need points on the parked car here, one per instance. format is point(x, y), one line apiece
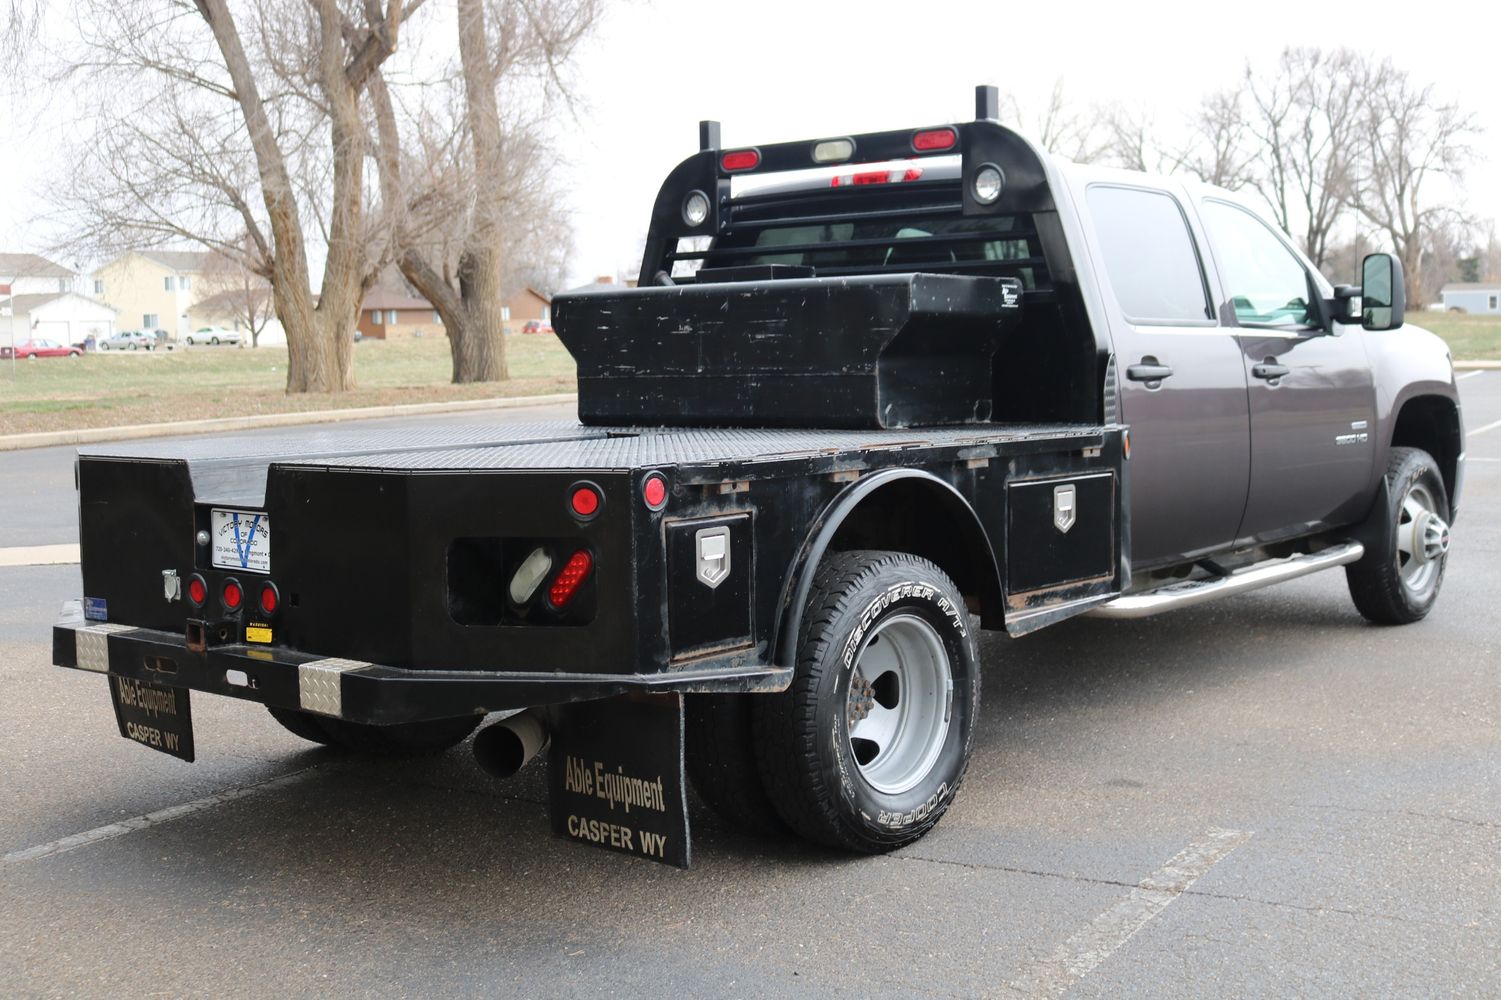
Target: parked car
point(129, 340)
point(536, 326)
point(214, 335)
point(37, 348)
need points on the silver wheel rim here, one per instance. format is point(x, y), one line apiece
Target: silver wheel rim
point(900, 702)
point(1422, 540)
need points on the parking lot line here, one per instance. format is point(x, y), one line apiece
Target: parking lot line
point(39, 555)
point(1481, 430)
point(1103, 935)
point(1478, 371)
point(120, 829)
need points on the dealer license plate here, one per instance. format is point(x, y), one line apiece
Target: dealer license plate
point(154, 715)
point(241, 540)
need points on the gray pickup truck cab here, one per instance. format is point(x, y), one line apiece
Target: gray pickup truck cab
point(1262, 411)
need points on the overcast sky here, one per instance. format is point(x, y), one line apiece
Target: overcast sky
point(772, 70)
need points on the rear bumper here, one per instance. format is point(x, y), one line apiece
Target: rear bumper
point(364, 692)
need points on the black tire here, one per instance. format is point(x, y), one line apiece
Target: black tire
point(1387, 586)
point(409, 739)
point(214, 341)
point(808, 762)
point(721, 761)
point(302, 724)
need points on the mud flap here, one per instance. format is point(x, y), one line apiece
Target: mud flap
point(615, 776)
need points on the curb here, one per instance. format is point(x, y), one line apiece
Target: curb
point(1460, 366)
point(132, 432)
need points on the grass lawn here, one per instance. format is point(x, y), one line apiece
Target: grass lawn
point(1470, 338)
point(139, 387)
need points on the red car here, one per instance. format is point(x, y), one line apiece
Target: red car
point(45, 349)
point(536, 326)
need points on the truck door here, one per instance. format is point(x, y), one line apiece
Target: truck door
point(1181, 380)
point(1313, 404)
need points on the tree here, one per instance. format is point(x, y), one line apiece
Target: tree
point(1408, 140)
point(1060, 126)
point(248, 139)
point(513, 58)
point(1217, 151)
point(232, 288)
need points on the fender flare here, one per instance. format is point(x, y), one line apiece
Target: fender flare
point(804, 567)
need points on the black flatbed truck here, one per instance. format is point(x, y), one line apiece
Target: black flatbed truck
point(759, 557)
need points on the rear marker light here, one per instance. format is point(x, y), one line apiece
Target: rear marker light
point(654, 491)
point(833, 150)
point(934, 140)
point(585, 500)
point(232, 595)
point(529, 576)
point(740, 159)
point(270, 599)
point(567, 583)
point(197, 591)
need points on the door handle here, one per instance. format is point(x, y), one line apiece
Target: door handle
point(1148, 371)
point(1269, 370)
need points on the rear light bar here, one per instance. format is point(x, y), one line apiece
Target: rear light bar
point(897, 176)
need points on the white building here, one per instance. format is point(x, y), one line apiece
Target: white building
point(30, 274)
point(1483, 298)
point(64, 317)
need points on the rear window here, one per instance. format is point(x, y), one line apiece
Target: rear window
point(1149, 255)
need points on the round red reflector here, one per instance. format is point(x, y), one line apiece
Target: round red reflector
point(740, 159)
point(232, 594)
point(269, 599)
point(585, 501)
point(654, 492)
point(934, 139)
point(197, 591)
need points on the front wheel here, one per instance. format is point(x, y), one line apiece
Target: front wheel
point(867, 748)
point(1397, 581)
point(214, 341)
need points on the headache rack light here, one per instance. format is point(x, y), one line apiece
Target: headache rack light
point(896, 175)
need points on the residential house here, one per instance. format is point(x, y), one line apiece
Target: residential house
point(31, 274)
point(1472, 297)
point(387, 314)
point(62, 317)
point(524, 305)
point(154, 289)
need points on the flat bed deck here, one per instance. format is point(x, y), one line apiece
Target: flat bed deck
point(233, 469)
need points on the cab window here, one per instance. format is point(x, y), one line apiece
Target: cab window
point(1149, 255)
point(1264, 280)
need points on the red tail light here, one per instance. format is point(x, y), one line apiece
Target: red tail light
point(232, 595)
point(568, 581)
point(270, 599)
point(197, 590)
point(585, 500)
point(876, 177)
point(934, 140)
point(740, 159)
point(654, 491)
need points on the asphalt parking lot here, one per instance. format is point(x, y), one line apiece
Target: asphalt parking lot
point(1264, 796)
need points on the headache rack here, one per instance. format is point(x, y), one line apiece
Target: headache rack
point(795, 284)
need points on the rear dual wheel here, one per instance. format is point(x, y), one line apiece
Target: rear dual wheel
point(867, 748)
point(409, 739)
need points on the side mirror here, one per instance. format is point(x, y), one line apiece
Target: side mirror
point(1383, 292)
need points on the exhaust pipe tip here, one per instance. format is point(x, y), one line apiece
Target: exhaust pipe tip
point(504, 747)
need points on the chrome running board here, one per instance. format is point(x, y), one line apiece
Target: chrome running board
point(1262, 574)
